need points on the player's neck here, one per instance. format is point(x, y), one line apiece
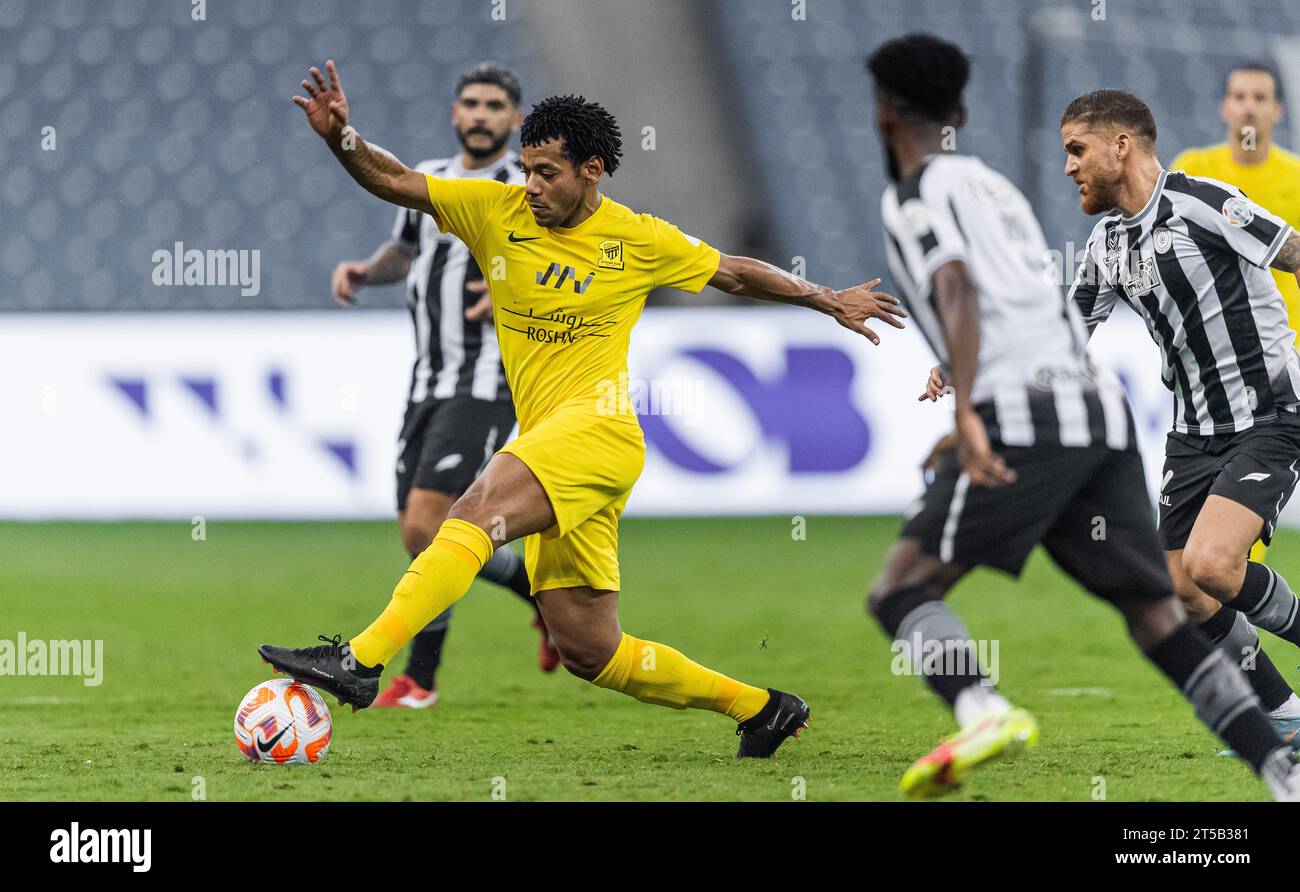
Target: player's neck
point(586, 207)
point(472, 162)
point(1135, 192)
point(1249, 157)
point(911, 154)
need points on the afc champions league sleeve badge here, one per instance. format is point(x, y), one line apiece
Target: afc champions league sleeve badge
point(1163, 240)
point(1238, 212)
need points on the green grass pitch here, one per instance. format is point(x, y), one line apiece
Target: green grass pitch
point(180, 620)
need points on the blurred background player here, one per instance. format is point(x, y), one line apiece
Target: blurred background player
point(1191, 256)
point(459, 409)
point(1044, 442)
point(1249, 159)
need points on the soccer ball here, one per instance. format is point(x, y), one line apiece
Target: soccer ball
point(282, 721)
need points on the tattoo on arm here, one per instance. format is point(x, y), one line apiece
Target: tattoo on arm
point(1288, 259)
point(388, 264)
point(377, 170)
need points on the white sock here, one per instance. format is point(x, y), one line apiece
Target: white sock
point(1288, 710)
point(978, 700)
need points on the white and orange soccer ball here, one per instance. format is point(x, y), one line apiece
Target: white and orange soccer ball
point(283, 722)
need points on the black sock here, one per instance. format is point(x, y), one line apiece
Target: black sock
point(1217, 627)
point(1232, 633)
point(1218, 691)
point(426, 650)
point(506, 568)
point(1268, 602)
point(947, 660)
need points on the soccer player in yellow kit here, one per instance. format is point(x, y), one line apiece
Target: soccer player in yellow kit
point(568, 270)
point(1249, 160)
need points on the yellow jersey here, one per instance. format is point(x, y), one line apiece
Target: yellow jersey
point(564, 300)
point(1273, 184)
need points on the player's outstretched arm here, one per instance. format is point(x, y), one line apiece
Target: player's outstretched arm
point(1288, 258)
point(390, 263)
point(851, 307)
point(956, 302)
point(376, 169)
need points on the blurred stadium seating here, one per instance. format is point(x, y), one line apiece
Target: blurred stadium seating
point(191, 140)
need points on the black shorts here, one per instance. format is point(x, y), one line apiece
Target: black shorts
point(446, 443)
point(1088, 507)
point(1255, 468)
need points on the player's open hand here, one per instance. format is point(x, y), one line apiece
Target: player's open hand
point(935, 386)
point(325, 105)
point(482, 309)
point(852, 307)
point(984, 466)
point(348, 277)
point(942, 445)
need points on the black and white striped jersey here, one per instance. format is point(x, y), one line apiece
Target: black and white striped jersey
point(1035, 384)
point(454, 356)
point(1194, 265)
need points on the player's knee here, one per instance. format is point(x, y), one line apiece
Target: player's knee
point(416, 536)
point(474, 506)
point(583, 661)
point(1213, 570)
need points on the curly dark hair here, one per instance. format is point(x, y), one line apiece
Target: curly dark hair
point(585, 130)
point(925, 73)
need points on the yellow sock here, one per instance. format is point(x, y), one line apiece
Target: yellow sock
point(437, 578)
point(656, 673)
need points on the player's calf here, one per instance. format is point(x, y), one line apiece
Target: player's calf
point(1215, 687)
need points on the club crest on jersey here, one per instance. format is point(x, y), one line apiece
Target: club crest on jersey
point(1112, 251)
point(1238, 211)
point(611, 255)
point(1142, 278)
point(1163, 239)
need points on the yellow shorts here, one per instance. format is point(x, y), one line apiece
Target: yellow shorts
point(587, 464)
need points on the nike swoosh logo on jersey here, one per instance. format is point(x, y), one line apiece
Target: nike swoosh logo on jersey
point(266, 746)
point(526, 238)
point(1258, 477)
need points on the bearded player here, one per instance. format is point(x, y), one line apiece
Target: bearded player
point(568, 270)
point(1044, 441)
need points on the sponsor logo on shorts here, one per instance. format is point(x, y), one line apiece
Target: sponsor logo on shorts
point(447, 462)
point(1257, 477)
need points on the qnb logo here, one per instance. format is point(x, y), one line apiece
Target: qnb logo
point(90, 846)
point(809, 409)
point(564, 274)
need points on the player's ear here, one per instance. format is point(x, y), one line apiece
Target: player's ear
point(592, 168)
point(1123, 145)
point(961, 116)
